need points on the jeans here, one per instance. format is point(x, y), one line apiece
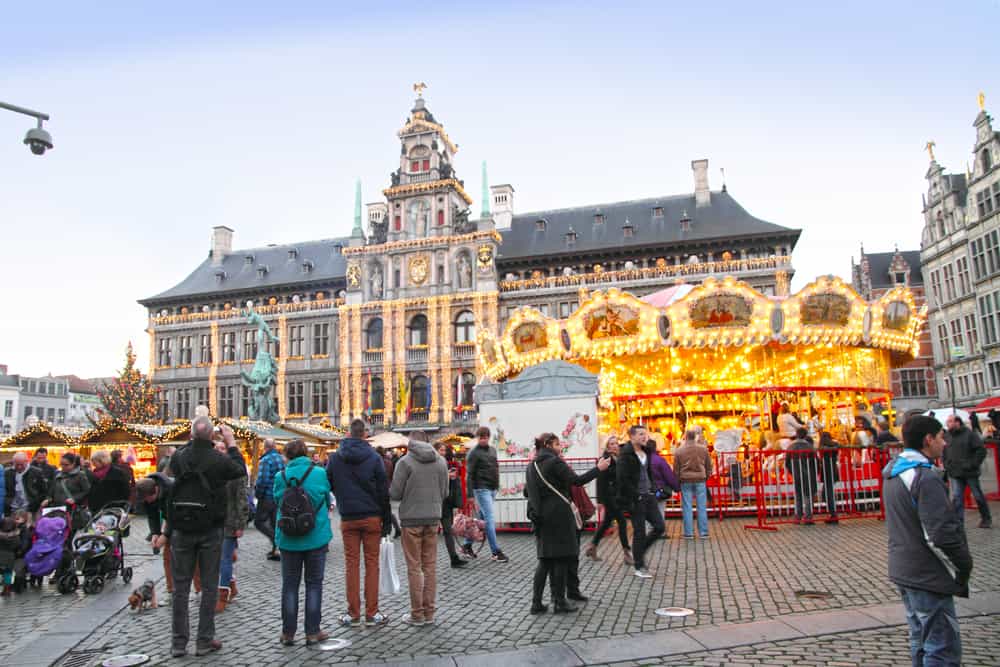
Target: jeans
point(612, 513)
point(694, 491)
point(226, 565)
point(805, 489)
point(188, 550)
point(484, 499)
point(958, 485)
point(645, 509)
point(934, 634)
point(447, 516)
point(357, 535)
point(265, 518)
point(292, 564)
point(420, 551)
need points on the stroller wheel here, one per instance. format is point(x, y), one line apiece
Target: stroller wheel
point(97, 584)
point(127, 574)
point(69, 583)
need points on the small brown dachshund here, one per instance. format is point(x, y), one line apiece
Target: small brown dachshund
point(143, 597)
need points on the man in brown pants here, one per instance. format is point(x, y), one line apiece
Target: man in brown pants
point(420, 484)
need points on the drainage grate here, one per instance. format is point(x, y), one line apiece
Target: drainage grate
point(673, 612)
point(814, 595)
point(80, 657)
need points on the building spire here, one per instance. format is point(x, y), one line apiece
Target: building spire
point(485, 213)
point(982, 101)
point(358, 230)
point(929, 147)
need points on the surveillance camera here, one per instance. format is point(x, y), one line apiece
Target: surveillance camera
point(38, 140)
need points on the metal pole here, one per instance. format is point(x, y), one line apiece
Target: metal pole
point(27, 112)
point(952, 373)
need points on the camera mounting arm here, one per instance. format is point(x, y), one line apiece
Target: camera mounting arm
point(37, 138)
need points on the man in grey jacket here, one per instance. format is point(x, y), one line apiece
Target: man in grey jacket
point(420, 484)
point(963, 460)
point(929, 558)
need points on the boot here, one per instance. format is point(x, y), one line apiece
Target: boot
point(627, 555)
point(457, 562)
point(591, 552)
point(220, 604)
point(232, 589)
point(563, 607)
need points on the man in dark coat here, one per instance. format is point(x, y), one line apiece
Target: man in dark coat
point(40, 460)
point(636, 495)
point(800, 461)
point(828, 454)
point(25, 486)
point(547, 487)
point(963, 459)
point(929, 556)
point(607, 492)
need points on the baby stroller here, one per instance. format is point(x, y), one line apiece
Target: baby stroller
point(49, 553)
point(98, 553)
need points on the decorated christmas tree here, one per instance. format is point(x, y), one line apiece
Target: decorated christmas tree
point(131, 397)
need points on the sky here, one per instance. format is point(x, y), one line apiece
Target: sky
point(171, 118)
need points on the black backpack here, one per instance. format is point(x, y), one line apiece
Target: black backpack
point(298, 516)
point(194, 507)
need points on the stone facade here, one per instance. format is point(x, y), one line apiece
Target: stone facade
point(960, 261)
point(383, 323)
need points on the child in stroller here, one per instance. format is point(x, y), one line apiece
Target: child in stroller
point(98, 552)
point(49, 553)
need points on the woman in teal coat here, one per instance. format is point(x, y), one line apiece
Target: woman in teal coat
point(307, 551)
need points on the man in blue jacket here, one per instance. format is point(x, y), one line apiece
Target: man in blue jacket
point(929, 557)
point(271, 463)
point(357, 477)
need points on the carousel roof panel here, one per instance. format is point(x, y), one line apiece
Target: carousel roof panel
point(655, 221)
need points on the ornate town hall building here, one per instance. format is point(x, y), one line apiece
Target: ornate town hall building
point(383, 323)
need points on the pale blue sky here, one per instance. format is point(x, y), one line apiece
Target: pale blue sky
point(170, 118)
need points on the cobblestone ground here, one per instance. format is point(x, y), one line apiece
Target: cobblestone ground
point(738, 575)
point(24, 617)
point(885, 647)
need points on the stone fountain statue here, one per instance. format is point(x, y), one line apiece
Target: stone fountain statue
point(264, 375)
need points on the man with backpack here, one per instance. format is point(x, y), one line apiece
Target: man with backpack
point(269, 466)
point(195, 517)
point(929, 557)
point(357, 477)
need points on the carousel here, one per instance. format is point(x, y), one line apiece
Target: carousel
point(723, 355)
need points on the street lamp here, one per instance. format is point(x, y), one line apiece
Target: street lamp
point(37, 139)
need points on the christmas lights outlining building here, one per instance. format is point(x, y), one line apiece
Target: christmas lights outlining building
point(383, 323)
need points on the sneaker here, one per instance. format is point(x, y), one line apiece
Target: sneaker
point(643, 574)
point(349, 621)
point(274, 556)
point(458, 562)
point(689, 537)
point(500, 557)
point(415, 622)
point(378, 619)
point(467, 550)
point(210, 647)
point(703, 537)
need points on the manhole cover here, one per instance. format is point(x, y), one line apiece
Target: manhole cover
point(333, 644)
point(814, 595)
point(674, 611)
point(126, 660)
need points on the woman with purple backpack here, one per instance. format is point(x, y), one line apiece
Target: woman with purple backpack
point(665, 482)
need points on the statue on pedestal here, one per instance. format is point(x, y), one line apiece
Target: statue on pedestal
point(264, 374)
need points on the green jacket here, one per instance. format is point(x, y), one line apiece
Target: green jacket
point(318, 488)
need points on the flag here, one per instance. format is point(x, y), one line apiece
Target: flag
point(458, 390)
point(428, 404)
point(401, 398)
point(368, 397)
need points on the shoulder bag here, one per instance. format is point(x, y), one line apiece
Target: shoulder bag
point(576, 512)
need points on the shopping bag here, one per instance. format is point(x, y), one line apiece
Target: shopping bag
point(388, 578)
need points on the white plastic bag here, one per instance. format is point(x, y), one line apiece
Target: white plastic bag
point(388, 578)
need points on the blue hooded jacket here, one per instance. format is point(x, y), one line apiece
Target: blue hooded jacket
point(357, 477)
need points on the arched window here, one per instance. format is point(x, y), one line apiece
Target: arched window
point(468, 384)
point(465, 327)
point(418, 330)
point(419, 396)
point(373, 334)
point(376, 398)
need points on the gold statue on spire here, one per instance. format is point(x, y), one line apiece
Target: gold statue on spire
point(930, 149)
point(982, 101)
point(418, 88)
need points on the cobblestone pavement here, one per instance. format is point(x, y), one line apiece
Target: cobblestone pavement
point(885, 647)
point(736, 576)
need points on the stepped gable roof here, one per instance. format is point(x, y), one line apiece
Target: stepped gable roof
point(722, 218)
point(280, 269)
point(78, 385)
point(879, 263)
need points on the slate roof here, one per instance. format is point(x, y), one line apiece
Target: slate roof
point(327, 264)
point(879, 263)
point(723, 217)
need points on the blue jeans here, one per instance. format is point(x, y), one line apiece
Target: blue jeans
point(694, 491)
point(934, 634)
point(226, 564)
point(958, 485)
point(292, 564)
point(484, 499)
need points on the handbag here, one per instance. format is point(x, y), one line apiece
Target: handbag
point(80, 514)
point(388, 578)
point(576, 512)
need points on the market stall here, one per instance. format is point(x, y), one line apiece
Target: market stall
point(57, 439)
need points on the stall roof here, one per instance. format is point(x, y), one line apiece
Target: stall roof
point(244, 428)
point(42, 433)
point(314, 431)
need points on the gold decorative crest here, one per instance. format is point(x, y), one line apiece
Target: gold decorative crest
point(419, 269)
point(484, 257)
point(354, 275)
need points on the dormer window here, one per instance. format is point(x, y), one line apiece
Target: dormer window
point(570, 238)
point(248, 260)
point(900, 278)
point(261, 272)
point(685, 222)
point(540, 225)
point(293, 254)
point(307, 266)
point(658, 212)
point(599, 219)
point(219, 277)
point(337, 248)
point(628, 230)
